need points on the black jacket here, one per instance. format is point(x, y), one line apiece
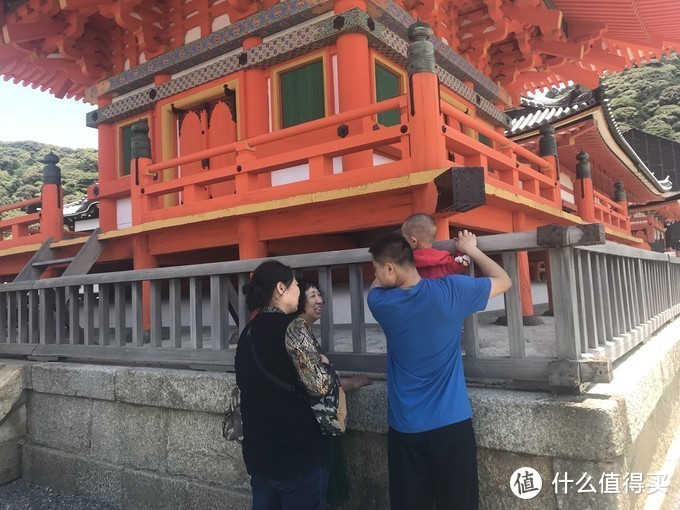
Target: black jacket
point(281, 437)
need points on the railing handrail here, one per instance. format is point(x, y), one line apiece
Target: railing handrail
point(300, 129)
point(19, 205)
point(604, 199)
point(622, 250)
point(20, 220)
point(490, 133)
point(495, 243)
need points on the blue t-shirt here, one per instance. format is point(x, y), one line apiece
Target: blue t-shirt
point(425, 381)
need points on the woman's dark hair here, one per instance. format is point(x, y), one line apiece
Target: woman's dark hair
point(305, 285)
point(263, 282)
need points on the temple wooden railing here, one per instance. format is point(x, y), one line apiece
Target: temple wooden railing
point(16, 229)
point(37, 227)
point(508, 166)
point(608, 298)
point(625, 294)
point(334, 136)
point(610, 213)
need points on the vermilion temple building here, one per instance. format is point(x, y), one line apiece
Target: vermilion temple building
point(264, 128)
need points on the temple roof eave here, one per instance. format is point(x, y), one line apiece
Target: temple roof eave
point(593, 105)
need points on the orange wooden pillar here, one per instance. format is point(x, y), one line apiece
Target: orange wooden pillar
point(141, 254)
point(249, 244)
point(255, 120)
point(354, 82)
point(583, 188)
point(106, 161)
point(519, 225)
point(51, 211)
point(428, 148)
point(443, 229)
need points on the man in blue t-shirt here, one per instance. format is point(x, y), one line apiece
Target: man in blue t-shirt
point(432, 454)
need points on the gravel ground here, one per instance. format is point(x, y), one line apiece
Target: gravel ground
point(21, 495)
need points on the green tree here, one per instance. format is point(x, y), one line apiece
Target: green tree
point(648, 97)
point(670, 96)
point(21, 170)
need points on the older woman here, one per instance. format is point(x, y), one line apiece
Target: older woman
point(310, 308)
point(284, 450)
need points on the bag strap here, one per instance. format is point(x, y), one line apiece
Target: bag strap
point(289, 388)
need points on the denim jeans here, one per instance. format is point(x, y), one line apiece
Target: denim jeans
point(304, 492)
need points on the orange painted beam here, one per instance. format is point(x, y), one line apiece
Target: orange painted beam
point(27, 32)
point(353, 214)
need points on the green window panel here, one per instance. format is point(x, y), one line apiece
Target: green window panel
point(302, 94)
point(485, 140)
point(387, 86)
point(126, 149)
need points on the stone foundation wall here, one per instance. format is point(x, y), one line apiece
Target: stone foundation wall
point(13, 413)
point(145, 438)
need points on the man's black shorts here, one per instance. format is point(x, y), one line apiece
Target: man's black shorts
point(434, 469)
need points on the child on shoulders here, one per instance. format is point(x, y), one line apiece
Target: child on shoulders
point(420, 231)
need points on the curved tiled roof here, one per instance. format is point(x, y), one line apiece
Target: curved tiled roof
point(543, 109)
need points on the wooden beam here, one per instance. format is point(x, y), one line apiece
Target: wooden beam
point(26, 32)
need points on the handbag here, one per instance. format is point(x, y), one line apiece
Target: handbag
point(232, 424)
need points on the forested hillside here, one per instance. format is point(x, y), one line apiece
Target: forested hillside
point(21, 170)
point(648, 97)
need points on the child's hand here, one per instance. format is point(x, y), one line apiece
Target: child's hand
point(466, 242)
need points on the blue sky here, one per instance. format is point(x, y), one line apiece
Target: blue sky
point(29, 114)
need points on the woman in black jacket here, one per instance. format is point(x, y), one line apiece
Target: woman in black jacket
point(283, 448)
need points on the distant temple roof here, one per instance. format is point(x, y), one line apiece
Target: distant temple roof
point(571, 102)
point(541, 109)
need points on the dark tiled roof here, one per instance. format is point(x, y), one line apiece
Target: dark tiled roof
point(542, 109)
point(549, 109)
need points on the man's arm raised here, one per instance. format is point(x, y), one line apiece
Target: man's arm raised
point(500, 281)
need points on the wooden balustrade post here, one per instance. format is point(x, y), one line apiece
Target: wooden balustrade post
point(547, 147)
point(354, 82)
point(548, 280)
point(428, 146)
point(108, 171)
point(583, 189)
point(244, 181)
point(621, 198)
point(52, 196)
point(141, 256)
point(141, 159)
